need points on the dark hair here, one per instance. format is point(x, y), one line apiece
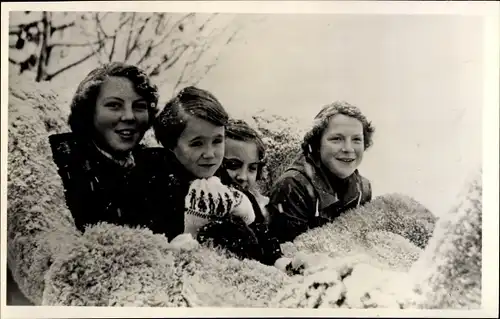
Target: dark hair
point(240, 130)
point(190, 101)
point(84, 101)
point(311, 142)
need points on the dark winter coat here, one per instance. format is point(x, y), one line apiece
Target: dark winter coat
point(99, 190)
point(305, 196)
point(151, 194)
point(253, 241)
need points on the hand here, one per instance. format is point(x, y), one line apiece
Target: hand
point(282, 263)
point(184, 242)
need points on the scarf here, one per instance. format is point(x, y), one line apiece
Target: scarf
point(127, 162)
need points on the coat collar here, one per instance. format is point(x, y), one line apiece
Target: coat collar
point(322, 186)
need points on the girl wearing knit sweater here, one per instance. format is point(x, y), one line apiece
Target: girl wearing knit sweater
point(203, 199)
point(191, 127)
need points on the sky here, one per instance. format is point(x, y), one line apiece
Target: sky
point(417, 78)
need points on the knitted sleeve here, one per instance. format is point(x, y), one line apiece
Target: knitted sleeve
point(242, 207)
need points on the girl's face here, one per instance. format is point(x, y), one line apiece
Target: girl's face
point(200, 147)
point(242, 162)
point(342, 145)
point(121, 116)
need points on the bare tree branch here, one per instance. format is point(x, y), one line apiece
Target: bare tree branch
point(41, 71)
point(183, 48)
point(123, 23)
point(104, 15)
point(161, 16)
point(174, 60)
point(135, 45)
point(147, 52)
point(127, 47)
point(157, 42)
point(15, 29)
point(63, 26)
point(204, 24)
point(98, 30)
point(151, 45)
point(69, 44)
point(99, 25)
point(200, 52)
point(175, 26)
point(69, 66)
point(113, 44)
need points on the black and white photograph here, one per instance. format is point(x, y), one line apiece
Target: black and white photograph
point(221, 156)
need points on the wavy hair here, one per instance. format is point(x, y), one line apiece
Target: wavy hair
point(312, 139)
point(240, 130)
point(190, 101)
point(84, 101)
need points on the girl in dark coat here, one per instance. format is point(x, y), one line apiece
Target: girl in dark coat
point(215, 209)
point(324, 181)
point(191, 127)
point(106, 173)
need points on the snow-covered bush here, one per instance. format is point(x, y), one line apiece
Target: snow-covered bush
point(282, 136)
point(118, 266)
point(449, 271)
point(394, 213)
point(348, 283)
point(36, 205)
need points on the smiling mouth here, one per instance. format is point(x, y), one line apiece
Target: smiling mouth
point(128, 133)
point(346, 160)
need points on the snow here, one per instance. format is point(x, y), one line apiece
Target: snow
point(391, 240)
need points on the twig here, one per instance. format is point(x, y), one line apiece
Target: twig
point(198, 57)
point(88, 56)
point(173, 61)
point(113, 44)
point(147, 53)
point(98, 31)
point(176, 25)
point(22, 26)
point(63, 26)
point(138, 35)
point(210, 18)
point(161, 16)
point(69, 44)
point(183, 49)
point(99, 25)
point(127, 47)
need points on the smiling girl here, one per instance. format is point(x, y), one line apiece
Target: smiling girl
point(105, 171)
point(324, 181)
point(244, 162)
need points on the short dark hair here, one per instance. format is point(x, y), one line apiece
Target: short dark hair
point(84, 101)
point(240, 130)
point(311, 141)
point(190, 101)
